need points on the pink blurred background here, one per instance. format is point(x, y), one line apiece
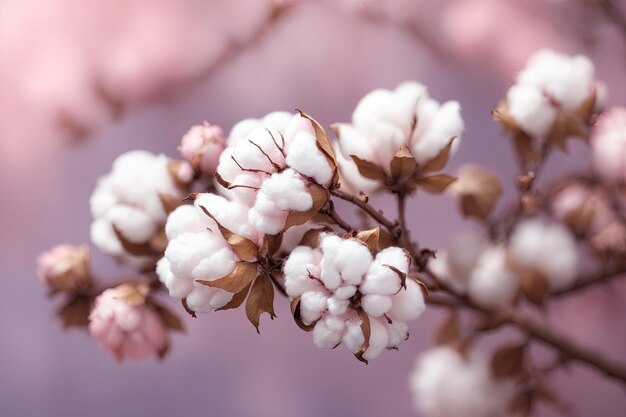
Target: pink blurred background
point(67, 66)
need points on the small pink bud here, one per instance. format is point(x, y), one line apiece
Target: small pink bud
point(65, 267)
point(125, 327)
point(202, 145)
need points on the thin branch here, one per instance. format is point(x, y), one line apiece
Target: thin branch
point(369, 209)
point(592, 279)
point(334, 216)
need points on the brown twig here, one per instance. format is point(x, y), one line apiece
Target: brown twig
point(369, 209)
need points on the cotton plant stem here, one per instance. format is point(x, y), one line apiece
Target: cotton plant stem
point(369, 209)
point(592, 279)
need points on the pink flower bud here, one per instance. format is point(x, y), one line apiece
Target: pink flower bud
point(202, 145)
point(125, 325)
point(65, 267)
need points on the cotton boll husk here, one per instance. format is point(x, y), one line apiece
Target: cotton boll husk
point(531, 110)
point(344, 260)
point(547, 248)
point(183, 219)
point(328, 332)
point(408, 304)
point(301, 262)
point(275, 121)
point(492, 283)
point(380, 278)
point(445, 384)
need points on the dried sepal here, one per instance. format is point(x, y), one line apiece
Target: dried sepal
point(311, 237)
point(366, 329)
point(187, 309)
point(535, 287)
point(403, 164)
point(169, 319)
point(243, 247)
point(134, 294)
point(237, 280)
point(509, 362)
point(449, 331)
point(439, 161)
point(158, 242)
point(237, 299)
point(523, 143)
point(135, 249)
point(260, 300)
point(324, 145)
point(169, 202)
point(75, 312)
point(295, 312)
point(270, 245)
point(370, 237)
point(435, 184)
point(369, 169)
point(320, 196)
point(400, 275)
point(477, 191)
point(221, 181)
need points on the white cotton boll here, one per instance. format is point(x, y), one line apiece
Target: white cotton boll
point(304, 156)
point(345, 260)
point(380, 278)
point(312, 304)
point(353, 337)
point(102, 199)
point(164, 272)
point(567, 79)
point(337, 306)
point(178, 288)
point(281, 193)
point(328, 332)
point(531, 110)
point(492, 283)
point(103, 236)
point(301, 262)
point(445, 125)
point(408, 304)
point(275, 121)
point(221, 263)
point(455, 264)
point(445, 384)
point(547, 248)
point(398, 333)
point(203, 299)
point(379, 338)
point(352, 142)
point(135, 225)
point(346, 292)
point(376, 305)
point(350, 178)
point(230, 214)
point(183, 219)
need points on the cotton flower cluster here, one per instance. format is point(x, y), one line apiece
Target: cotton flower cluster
point(609, 145)
point(490, 274)
point(197, 250)
point(553, 88)
point(446, 384)
point(127, 203)
point(384, 120)
point(126, 328)
point(202, 146)
point(341, 283)
point(65, 267)
point(269, 165)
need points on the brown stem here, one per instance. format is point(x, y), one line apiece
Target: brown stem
point(369, 209)
point(335, 217)
point(405, 237)
point(592, 279)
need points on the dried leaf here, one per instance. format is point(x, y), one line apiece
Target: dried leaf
point(75, 312)
point(187, 309)
point(367, 332)
point(508, 362)
point(524, 149)
point(449, 331)
point(237, 299)
point(143, 249)
point(169, 202)
point(369, 169)
point(320, 197)
point(312, 237)
point(158, 241)
point(243, 247)
point(237, 280)
point(295, 312)
point(535, 287)
point(403, 164)
point(440, 161)
point(260, 300)
point(174, 166)
point(370, 237)
point(323, 144)
point(170, 320)
point(436, 183)
point(585, 111)
point(271, 244)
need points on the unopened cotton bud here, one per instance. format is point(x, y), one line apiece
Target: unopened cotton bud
point(477, 191)
point(65, 268)
point(126, 329)
point(202, 146)
point(608, 143)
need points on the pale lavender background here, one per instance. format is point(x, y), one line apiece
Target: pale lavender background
point(222, 367)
